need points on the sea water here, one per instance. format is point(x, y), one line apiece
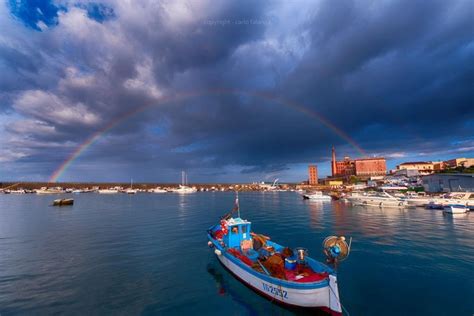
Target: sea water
point(147, 254)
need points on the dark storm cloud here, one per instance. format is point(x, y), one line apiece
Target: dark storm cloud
point(396, 76)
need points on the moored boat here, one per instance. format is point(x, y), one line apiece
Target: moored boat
point(183, 187)
point(131, 190)
point(62, 202)
point(157, 190)
point(318, 195)
point(45, 190)
point(381, 200)
point(455, 209)
point(108, 191)
point(287, 276)
point(458, 198)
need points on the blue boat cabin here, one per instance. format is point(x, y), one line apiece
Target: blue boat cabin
point(238, 233)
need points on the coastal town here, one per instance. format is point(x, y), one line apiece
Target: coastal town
point(434, 184)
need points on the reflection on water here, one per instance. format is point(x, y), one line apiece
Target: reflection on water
point(147, 254)
point(223, 288)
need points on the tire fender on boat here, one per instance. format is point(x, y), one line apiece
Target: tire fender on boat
point(218, 252)
point(210, 244)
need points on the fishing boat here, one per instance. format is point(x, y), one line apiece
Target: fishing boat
point(283, 275)
point(455, 209)
point(62, 202)
point(318, 195)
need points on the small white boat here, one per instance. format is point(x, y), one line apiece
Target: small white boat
point(157, 190)
point(19, 191)
point(318, 195)
point(45, 190)
point(108, 191)
point(455, 209)
point(131, 190)
point(183, 189)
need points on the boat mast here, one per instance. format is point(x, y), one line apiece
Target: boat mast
point(237, 203)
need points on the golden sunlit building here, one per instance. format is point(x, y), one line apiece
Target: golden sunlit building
point(313, 174)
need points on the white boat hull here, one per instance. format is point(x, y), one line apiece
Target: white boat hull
point(108, 192)
point(326, 296)
point(380, 203)
point(317, 197)
point(455, 210)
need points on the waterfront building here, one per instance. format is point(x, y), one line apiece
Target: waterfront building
point(335, 183)
point(370, 167)
point(438, 165)
point(459, 162)
point(449, 182)
point(423, 167)
point(363, 167)
point(312, 174)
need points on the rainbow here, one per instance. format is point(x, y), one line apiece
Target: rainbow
point(171, 98)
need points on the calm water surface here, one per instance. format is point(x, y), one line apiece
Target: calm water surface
point(147, 254)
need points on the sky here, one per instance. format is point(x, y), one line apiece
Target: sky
point(230, 91)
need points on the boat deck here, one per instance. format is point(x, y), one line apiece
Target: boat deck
point(269, 260)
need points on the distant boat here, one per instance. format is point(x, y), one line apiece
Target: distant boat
point(62, 202)
point(45, 190)
point(455, 209)
point(108, 191)
point(131, 190)
point(157, 190)
point(20, 191)
point(318, 195)
point(183, 188)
